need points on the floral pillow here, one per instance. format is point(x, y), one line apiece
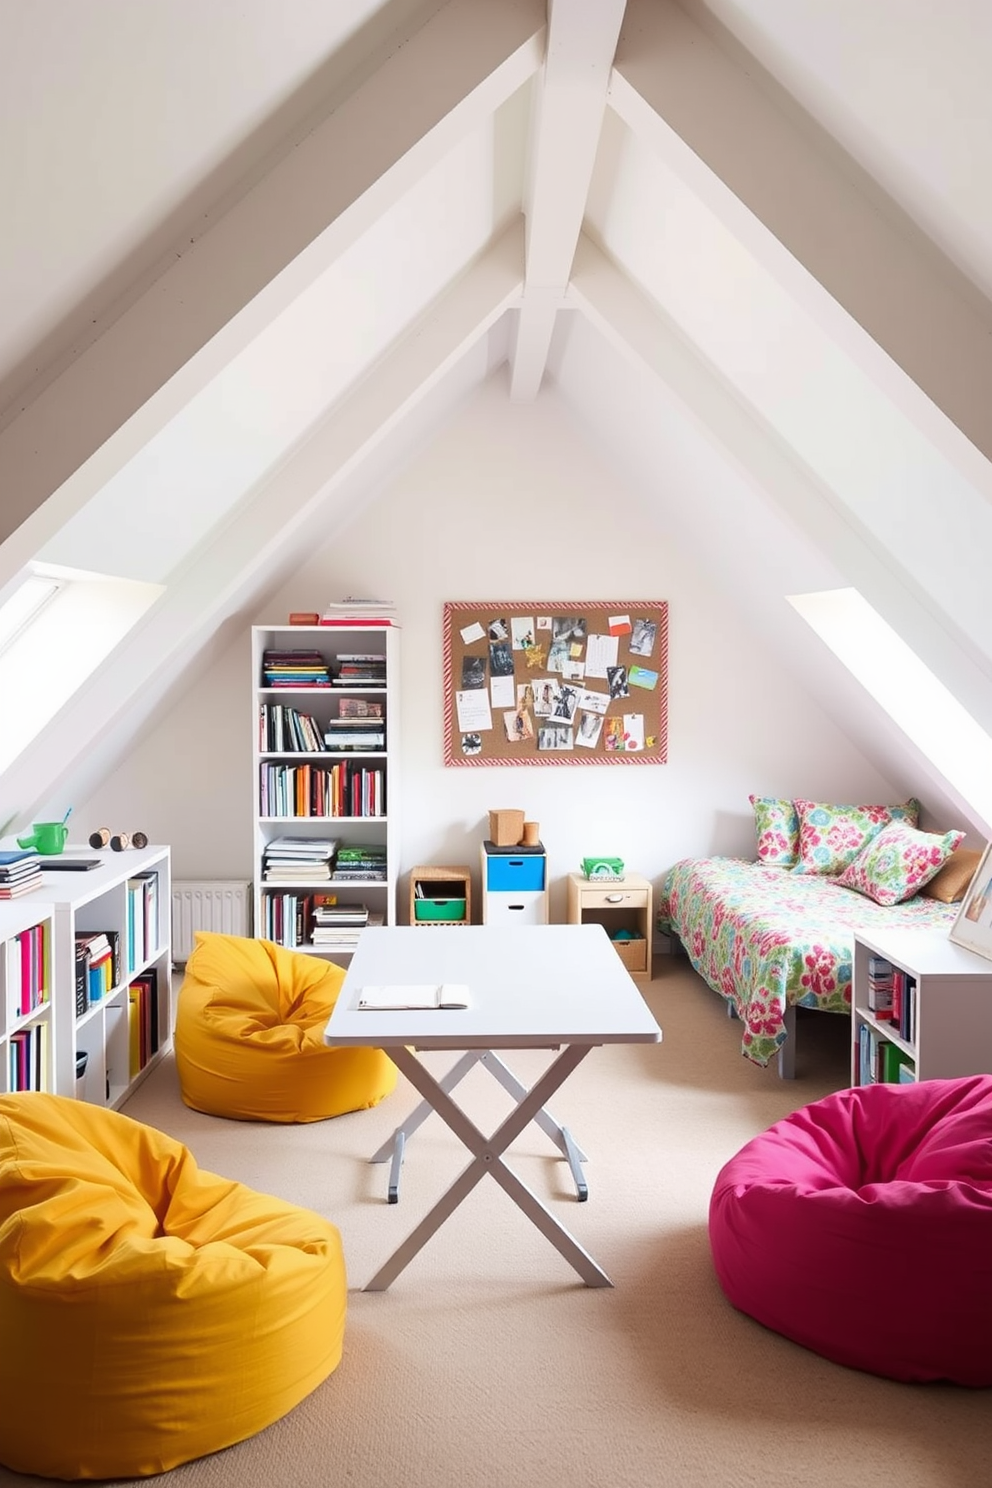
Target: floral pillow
point(776, 826)
point(830, 837)
point(898, 861)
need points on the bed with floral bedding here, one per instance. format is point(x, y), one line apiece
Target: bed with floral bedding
point(769, 940)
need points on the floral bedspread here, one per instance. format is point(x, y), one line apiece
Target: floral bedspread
point(765, 938)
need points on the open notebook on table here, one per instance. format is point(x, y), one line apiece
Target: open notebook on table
point(414, 995)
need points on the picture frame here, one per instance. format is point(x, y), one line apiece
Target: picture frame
point(972, 927)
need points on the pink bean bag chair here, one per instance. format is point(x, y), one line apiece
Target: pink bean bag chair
point(861, 1228)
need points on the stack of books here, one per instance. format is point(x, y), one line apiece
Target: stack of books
point(360, 863)
point(359, 725)
point(298, 859)
point(20, 873)
point(337, 925)
point(360, 669)
point(294, 669)
point(360, 612)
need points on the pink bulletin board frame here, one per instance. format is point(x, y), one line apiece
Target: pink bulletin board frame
point(556, 682)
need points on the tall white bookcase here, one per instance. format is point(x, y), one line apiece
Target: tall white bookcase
point(348, 796)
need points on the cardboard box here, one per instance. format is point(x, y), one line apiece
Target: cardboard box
point(506, 827)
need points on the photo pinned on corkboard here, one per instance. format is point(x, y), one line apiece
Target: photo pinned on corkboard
point(556, 682)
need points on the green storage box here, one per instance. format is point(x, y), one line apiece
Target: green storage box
point(609, 869)
point(439, 909)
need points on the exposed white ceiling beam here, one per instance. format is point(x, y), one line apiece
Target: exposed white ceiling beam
point(447, 80)
point(272, 534)
point(631, 323)
point(811, 216)
point(570, 99)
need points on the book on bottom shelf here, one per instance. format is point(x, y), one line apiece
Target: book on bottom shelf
point(142, 1021)
point(892, 1059)
point(27, 1058)
point(880, 1061)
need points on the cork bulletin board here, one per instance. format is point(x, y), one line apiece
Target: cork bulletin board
point(540, 682)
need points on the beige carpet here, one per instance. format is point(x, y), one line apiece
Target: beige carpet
point(489, 1365)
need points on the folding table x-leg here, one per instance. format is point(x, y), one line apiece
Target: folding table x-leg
point(487, 1158)
point(394, 1149)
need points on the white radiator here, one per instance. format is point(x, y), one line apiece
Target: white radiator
point(213, 904)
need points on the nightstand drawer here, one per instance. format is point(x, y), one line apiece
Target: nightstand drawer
point(613, 896)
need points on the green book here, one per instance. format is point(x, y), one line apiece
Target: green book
point(892, 1058)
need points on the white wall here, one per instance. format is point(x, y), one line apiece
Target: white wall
point(509, 502)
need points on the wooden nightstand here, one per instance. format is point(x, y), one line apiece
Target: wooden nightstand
point(625, 905)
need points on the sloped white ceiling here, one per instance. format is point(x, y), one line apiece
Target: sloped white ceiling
point(807, 389)
point(233, 434)
point(285, 247)
point(901, 86)
point(125, 125)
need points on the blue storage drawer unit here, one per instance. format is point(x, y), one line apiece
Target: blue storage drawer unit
point(508, 875)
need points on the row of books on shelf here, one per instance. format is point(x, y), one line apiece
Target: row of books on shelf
point(344, 789)
point(892, 996)
point(28, 972)
point(286, 730)
point(142, 1020)
point(322, 920)
point(880, 1061)
point(142, 919)
point(27, 1058)
point(97, 966)
point(20, 873)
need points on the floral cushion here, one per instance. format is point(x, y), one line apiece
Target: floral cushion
point(776, 826)
point(897, 862)
point(831, 837)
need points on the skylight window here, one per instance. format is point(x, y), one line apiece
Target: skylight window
point(24, 605)
point(55, 630)
point(908, 691)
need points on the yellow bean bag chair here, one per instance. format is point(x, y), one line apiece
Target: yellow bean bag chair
point(150, 1312)
point(249, 1037)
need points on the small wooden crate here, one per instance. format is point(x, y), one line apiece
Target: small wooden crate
point(441, 883)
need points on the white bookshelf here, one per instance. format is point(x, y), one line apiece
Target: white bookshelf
point(953, 991)
point(99, 900)
point(376, 823)
point(26, 1004)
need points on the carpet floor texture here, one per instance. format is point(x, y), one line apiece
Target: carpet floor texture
point(488, 1364)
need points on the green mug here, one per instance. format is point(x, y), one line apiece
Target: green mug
point(46, 837)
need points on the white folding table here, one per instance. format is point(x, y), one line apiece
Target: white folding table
point(557, 987)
